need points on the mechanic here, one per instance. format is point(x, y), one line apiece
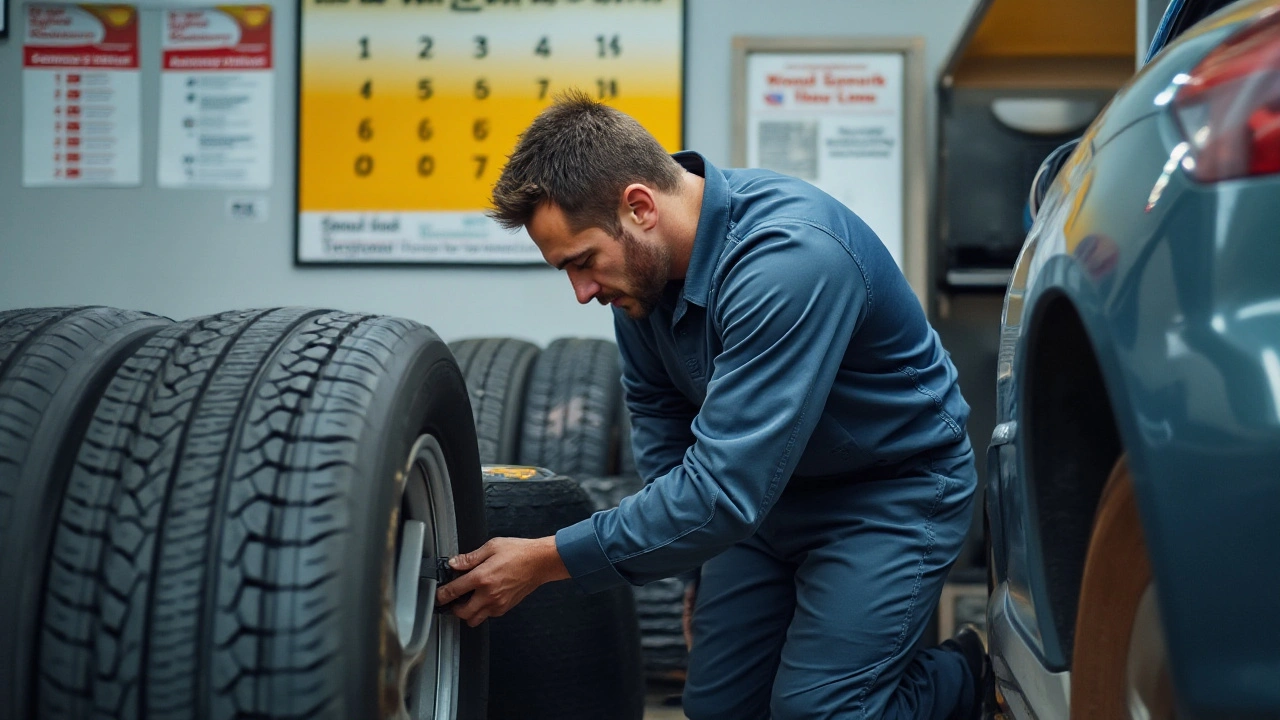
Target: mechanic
point(798, 419)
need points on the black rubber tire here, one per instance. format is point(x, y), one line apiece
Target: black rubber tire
point(571, 408)
point(222, 549)
point(659, 604)
point(660, 610)
point(54, 364)
point(497, 371)
point(607, 492)
point(626, 451)
point(561, 654)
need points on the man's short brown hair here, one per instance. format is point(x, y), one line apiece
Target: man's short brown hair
point(580, 155)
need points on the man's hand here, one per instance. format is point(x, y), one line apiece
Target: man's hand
point(501, 574)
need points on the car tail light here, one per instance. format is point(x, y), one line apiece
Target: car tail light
point(1229, 106)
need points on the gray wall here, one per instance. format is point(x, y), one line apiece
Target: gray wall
point(177, 253)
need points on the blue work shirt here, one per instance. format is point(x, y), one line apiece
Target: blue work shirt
point(793, 347)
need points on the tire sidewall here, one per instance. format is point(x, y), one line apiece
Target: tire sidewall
point(423, 394)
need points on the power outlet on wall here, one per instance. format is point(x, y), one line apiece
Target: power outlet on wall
point(251, 208)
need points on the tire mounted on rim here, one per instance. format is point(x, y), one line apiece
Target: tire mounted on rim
point(244, 526)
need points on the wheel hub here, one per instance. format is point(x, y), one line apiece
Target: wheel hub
point(420, 649)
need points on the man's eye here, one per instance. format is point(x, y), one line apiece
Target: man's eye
point(585, 264)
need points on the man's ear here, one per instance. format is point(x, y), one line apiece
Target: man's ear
point(640, 206)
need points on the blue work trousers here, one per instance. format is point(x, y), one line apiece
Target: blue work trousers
point(817, 615)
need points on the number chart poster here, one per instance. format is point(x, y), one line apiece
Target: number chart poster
point(409, 108)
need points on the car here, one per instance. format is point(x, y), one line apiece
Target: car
point(1133, 484)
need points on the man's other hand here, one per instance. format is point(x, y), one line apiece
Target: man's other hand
point(499, 575)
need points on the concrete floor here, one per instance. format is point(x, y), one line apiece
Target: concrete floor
point(656, 710)
point(658, 705)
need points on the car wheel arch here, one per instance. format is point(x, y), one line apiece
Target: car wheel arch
point(1073, 423)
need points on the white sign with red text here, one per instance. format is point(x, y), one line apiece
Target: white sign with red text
point(81, 106)
point(837, 121)
point(216, 95)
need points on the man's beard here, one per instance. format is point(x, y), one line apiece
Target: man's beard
point(648, 268)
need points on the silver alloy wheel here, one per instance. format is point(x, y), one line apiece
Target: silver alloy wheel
point(421, 650)
point(1150, 687)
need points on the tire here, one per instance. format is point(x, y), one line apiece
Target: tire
point(660, 610)
point(497, 371)
point(607, 492)
point(228, 542)
point(1116, 593)
point(659, 604)
point(571, 408)
point(626, 451)
point(54, 364)
point(561, 654)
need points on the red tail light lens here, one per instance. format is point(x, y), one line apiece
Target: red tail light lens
point(1229, 109)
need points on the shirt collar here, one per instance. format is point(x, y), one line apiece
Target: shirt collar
point(713, 226)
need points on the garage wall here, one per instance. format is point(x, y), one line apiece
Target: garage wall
point(176, 252)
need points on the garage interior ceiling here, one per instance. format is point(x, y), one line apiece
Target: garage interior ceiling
point(1065, 44)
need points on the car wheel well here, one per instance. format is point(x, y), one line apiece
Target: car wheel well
point(1071, 447)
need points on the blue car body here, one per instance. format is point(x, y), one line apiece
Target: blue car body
point(1143, 317)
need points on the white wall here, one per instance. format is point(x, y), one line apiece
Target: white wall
point(176, 253)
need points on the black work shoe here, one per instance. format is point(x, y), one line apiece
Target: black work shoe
point(971, 642)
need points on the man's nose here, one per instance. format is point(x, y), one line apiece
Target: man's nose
point(583, 287)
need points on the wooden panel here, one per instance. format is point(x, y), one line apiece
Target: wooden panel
point(1035, 73)
point(1056, 27)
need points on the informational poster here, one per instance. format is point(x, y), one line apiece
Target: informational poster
point(408, 110)
point(80, 100)
point(837, 121)
point(216, 95)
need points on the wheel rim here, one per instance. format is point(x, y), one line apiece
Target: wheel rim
point(420, 649)
point(1150, 688)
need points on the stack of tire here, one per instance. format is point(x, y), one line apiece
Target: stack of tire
point(561, 408)
point(560, 653)
point(233, 516)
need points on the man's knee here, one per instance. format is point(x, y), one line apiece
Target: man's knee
point(813, 704)
point(698, 708)
point(822, 704)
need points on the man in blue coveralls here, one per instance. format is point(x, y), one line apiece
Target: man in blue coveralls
point(797, 417)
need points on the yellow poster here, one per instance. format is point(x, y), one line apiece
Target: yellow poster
point(409, 108)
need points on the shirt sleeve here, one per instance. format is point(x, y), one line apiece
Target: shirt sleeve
point(791, 298)
point(661, 415)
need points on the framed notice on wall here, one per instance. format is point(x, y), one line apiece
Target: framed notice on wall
point(848, 116)
point(407, 110)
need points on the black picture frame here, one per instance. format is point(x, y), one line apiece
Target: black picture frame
point(298, 262)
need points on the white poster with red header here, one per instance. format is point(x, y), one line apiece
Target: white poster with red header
point(216, 95)
point(836, 120)
point(81, 106)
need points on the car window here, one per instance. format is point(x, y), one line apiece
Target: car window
point(1181, 15)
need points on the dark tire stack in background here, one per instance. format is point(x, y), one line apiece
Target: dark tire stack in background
point(497, 372)
point(560, 653)
point(571, 408)
point(202, 518)
point(575, 423)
